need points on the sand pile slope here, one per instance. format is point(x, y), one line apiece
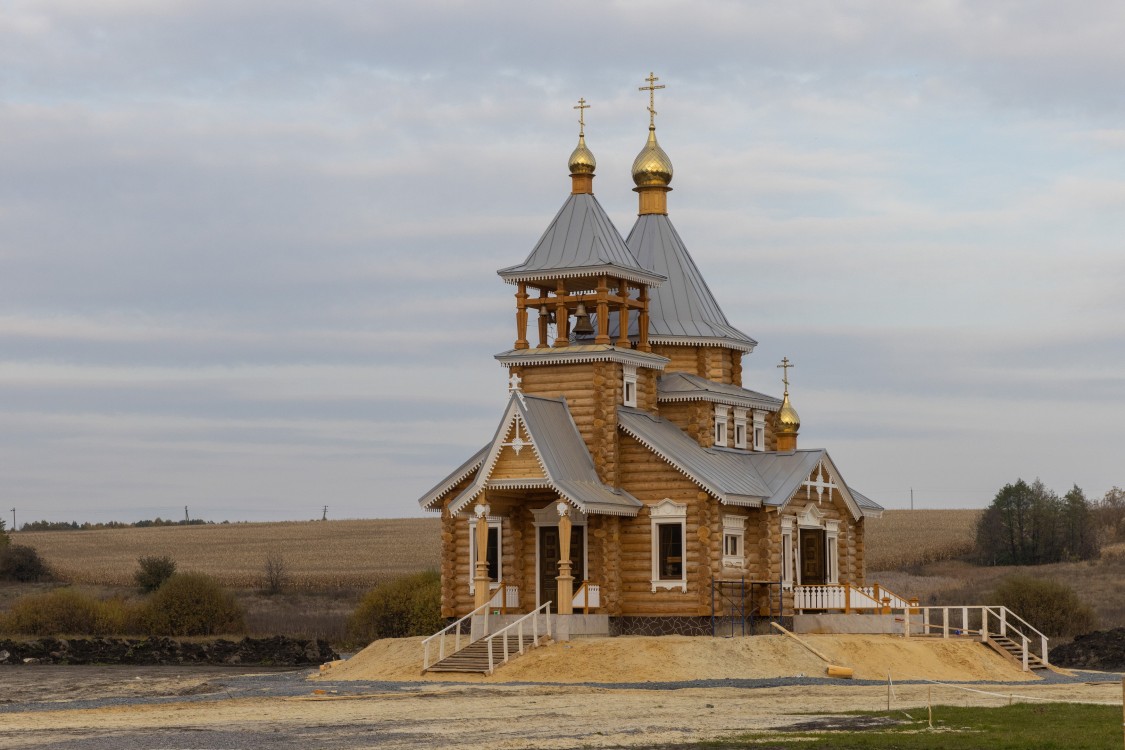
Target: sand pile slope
point(676, 658)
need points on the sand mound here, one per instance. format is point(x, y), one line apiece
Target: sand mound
point(675, 658)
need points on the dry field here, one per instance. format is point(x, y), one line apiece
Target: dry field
point(318, 555)
point(910, 538)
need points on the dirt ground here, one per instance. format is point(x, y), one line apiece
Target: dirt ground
point(676, 658)
point(475, 717)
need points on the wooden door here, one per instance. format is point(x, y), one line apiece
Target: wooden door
point(549, 557)
point(812, 557)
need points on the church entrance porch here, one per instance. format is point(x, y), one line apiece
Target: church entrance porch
point(547, 561)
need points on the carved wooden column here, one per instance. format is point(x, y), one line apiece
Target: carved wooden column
point(642, 324)
point(562, 317)
point(565, 580)
point(480, 579)
point(521, 316)
point(603, 311)
point(623, 316)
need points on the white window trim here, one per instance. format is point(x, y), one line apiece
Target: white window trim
point(668, 512)
point(734, 526)
point(721, 414)
point(787, 552)
point(629, 394)
point(494, 522)
point(739, 428)
point(832, 560)
point(759, 430)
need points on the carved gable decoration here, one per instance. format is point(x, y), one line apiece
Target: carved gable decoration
point(517, 458)
point(821, 482)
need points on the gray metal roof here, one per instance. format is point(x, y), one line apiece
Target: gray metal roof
point(865, 502)
point(684, 386)
point(719, 472)
point(580, 241)
point(562, 454)
point(437, 492)
point(683, 307)
point(734, 476)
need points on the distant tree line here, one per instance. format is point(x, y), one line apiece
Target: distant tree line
point(87, 526)
point(1029, 524)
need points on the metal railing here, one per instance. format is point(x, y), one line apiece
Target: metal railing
point(442, 634)
point(518, 627)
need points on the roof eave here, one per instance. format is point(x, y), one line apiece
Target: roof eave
point(516, 274)
point(745, 346)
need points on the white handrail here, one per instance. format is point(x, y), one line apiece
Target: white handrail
point(518, 626)
point(426, 663)
point(989, 614)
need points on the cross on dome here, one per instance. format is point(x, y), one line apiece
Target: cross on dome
point(785, 365)
point(582, 106)
point(651, 89)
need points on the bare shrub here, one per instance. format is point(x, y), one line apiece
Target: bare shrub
point(153, 571)
point(275, 573)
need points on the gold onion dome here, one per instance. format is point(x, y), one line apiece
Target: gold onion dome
point(787, 420)
point(582, 160)
point(652, 167)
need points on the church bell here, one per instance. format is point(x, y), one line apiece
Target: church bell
point(582, 325)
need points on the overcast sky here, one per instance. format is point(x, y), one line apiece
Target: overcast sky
point(248, 250)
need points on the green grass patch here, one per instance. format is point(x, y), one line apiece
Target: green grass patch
point(1024, 726)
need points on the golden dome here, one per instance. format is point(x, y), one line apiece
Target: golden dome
point(652, 167)
point(582, 160)
point(787, 420)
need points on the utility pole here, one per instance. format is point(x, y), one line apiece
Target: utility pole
point(911, 498)
point(325, 516)
point(13, 519)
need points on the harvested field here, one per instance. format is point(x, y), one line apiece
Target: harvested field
point(909, 538)
point(318, 555)
point(677, 658)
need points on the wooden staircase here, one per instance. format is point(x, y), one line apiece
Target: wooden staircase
point(1012, 650)
point(474, 657)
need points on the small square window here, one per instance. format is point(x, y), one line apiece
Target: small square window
point(731, 545)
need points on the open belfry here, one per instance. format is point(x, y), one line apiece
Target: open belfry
point(632, 476)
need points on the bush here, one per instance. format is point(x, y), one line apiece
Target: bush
point(23, 564)
point(191, 604)
point(275, 573)
point(153, 572)
point(65, 612)
point(1048, 605)
point(404, 607)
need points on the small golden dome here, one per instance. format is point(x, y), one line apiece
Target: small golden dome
point(787, 420)
point(582, 160)
point(652, 167)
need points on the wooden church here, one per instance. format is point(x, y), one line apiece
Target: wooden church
point(631, 470)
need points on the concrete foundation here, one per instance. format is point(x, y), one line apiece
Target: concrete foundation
point(563, 627)
point(857, 624)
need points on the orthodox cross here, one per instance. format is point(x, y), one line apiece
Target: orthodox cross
point(581, 107)
point(651, 89)
point(785, 365)
point(820, 484)
point(517, 442)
